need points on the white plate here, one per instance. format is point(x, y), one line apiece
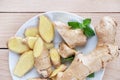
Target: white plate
point(53, 16)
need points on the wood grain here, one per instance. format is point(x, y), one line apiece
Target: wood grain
point(4, 66)
point(11, 22)
point(113, 70)
point(64, 5)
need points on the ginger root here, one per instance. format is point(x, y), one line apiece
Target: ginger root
point(42, 63)
point(65, 51)
point(72, 37)
point(106, 50)
point(106, 31)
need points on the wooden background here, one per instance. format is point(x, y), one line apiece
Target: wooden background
point(13, 13)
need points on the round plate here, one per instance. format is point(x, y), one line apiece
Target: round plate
point(53, 16)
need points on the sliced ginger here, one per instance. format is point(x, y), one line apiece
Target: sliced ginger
point(61, 68)
point(55, 57)
point(31, 41)
point(38, 47)
point(82, 65)
point(17, 44)
point(25, 64)
point(46, 29)
point(31, 32)
point(49, 45)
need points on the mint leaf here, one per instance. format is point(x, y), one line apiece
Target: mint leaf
point(69, 59)
point(88, 32)
point(91, 75)
point(87, 21)
point(84, 26)
point(75, 25)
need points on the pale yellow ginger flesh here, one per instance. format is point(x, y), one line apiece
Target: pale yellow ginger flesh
point(31, 32)
point(38, 47)
point(106, 50)
point(61, 68)
point(49, 45)
point(17, 44)
point(46, 29)
point(25, 64)
point(30, 41)
point(55, 57)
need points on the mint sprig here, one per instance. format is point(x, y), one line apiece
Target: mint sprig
point(85, 26)
point(75, 25)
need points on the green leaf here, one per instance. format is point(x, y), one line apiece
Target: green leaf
point(88, 32)
point(69, 59)
point(75, 25)
point(84, 26)
point(87, 21)
point(91, 75)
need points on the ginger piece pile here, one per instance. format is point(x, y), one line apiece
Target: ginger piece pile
point(105, 51)
point(37, 50)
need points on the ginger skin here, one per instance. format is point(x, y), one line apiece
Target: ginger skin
point(106, 50)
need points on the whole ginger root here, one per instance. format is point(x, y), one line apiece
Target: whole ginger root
point(106, 31)
point(106, 50)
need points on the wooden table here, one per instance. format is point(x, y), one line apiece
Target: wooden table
point(13, 13)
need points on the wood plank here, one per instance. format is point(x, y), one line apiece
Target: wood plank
point(113, 70)
point(4, 67)
point(64, 5)
point(111, 73)
point(11, 22)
